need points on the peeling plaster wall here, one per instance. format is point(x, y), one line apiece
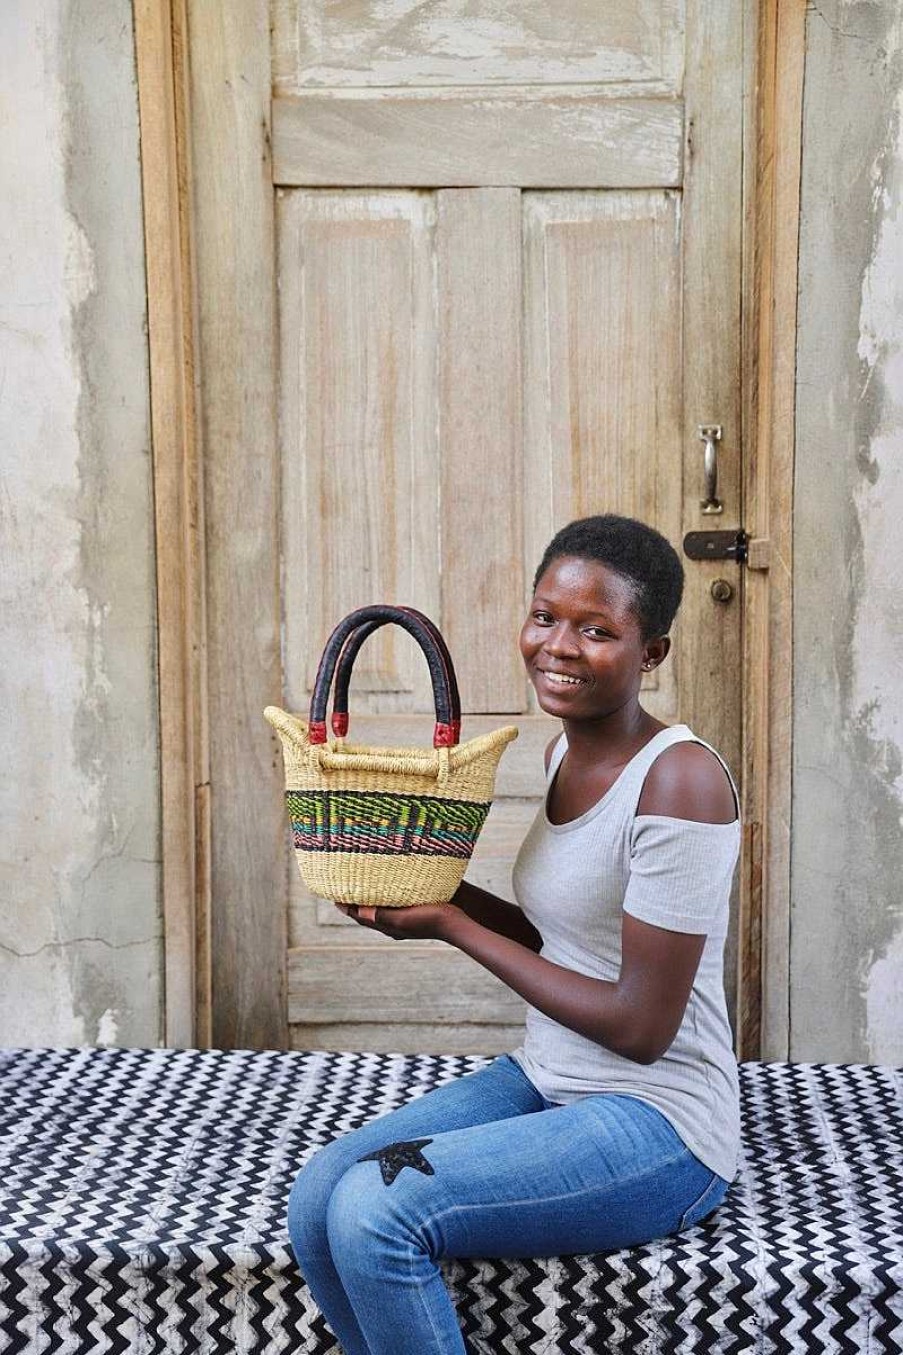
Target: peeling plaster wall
point(80, 925)
point(846, 1000)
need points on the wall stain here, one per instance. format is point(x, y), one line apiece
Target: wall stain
point(847, 854)
point(112, 904)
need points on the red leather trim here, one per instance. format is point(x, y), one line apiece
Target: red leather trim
point(340, 723)
point(316, 731)
point(446, 736)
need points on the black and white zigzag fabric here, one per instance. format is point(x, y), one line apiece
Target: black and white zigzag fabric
point(142, 1198)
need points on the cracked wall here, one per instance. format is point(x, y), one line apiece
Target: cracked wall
point(846, 1000)
point(80, 925)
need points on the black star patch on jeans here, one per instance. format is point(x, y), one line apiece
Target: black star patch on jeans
point(394, 1156)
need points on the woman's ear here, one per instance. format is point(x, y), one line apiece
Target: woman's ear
point(655, 651)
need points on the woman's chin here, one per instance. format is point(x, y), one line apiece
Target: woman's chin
point(561, 705)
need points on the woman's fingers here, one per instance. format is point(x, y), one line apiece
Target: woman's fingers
point(424, 922)
point(360, 912)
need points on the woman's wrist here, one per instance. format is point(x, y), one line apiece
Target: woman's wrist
point(455, 922)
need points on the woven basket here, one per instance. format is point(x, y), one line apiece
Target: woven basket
point(391, 827)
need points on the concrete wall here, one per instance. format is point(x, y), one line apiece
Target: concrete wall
point(80, 926)
point(847, 847)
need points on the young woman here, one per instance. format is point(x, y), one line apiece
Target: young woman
point(617, 1120)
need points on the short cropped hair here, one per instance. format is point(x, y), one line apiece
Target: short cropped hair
point(636, 551)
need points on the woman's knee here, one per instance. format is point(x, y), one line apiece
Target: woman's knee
point(309, 1196)
point(367, 1223)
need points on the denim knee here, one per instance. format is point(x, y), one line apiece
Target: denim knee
point(309, 1199)
point(366, 1222)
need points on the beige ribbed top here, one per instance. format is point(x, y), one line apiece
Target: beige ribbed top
point(573, 880)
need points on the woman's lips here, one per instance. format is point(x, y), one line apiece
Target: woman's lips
point(560, 682)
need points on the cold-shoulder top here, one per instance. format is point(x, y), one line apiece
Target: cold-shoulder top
point(573, 881)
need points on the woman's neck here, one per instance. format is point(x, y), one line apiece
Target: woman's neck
point(612, 739)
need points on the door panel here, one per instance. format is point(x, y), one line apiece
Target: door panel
point(359, 437)
point(364, 44)
point(602, 370)
point(479, 299)
point(491, 138)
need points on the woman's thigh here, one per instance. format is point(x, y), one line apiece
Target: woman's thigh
point(608, 1171)
point(499, 1091)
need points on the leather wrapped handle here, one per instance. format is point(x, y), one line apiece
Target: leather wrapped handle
point(342, 648)
point(349, 653)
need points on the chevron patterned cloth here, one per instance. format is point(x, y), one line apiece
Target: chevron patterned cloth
point(142, 1198)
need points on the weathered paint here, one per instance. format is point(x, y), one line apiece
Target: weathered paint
point(846, 998)
point(879, 623)
point(371, 43)
point(80, 947)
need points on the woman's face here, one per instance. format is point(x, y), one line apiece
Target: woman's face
point(582, 643)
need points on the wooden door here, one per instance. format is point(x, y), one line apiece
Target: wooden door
point(506, 291)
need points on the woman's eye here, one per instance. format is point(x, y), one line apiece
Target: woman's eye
point(596, 634)
point(542, 617)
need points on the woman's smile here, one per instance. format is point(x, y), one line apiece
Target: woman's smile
point(560, 679)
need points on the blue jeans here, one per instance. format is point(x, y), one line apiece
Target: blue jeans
point(483, 1166)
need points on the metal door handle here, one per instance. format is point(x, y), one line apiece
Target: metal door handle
point(710, 434)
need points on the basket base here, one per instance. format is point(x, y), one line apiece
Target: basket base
point(381, 881)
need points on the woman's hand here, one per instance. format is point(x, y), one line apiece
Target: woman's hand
point(425, 921)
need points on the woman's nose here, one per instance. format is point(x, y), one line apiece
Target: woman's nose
point(561, 640)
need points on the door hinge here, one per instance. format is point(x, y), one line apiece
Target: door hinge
point(754, 552)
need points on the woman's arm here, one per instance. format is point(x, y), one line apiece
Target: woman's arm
point(495, 914)
point(636, 1016)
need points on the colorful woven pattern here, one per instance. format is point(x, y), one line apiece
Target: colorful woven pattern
point(374, 821)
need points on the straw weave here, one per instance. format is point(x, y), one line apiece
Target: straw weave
point(390, 827)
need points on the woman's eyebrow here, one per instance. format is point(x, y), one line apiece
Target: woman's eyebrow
point(602, 616)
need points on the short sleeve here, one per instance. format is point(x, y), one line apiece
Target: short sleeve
point(681, 872)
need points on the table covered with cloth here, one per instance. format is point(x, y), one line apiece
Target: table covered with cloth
point(143, 1192)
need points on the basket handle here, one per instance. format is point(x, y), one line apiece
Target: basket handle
point(349, 653)
point(367, 620)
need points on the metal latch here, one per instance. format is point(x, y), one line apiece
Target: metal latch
point(737, 545)
point(717, 546)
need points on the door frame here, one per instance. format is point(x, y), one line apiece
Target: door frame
point(161, 59)
point(773, 140)
point(188, 247)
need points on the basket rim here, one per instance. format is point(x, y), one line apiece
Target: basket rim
point(338, 755)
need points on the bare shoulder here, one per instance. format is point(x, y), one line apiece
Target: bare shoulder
point(687, 781)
